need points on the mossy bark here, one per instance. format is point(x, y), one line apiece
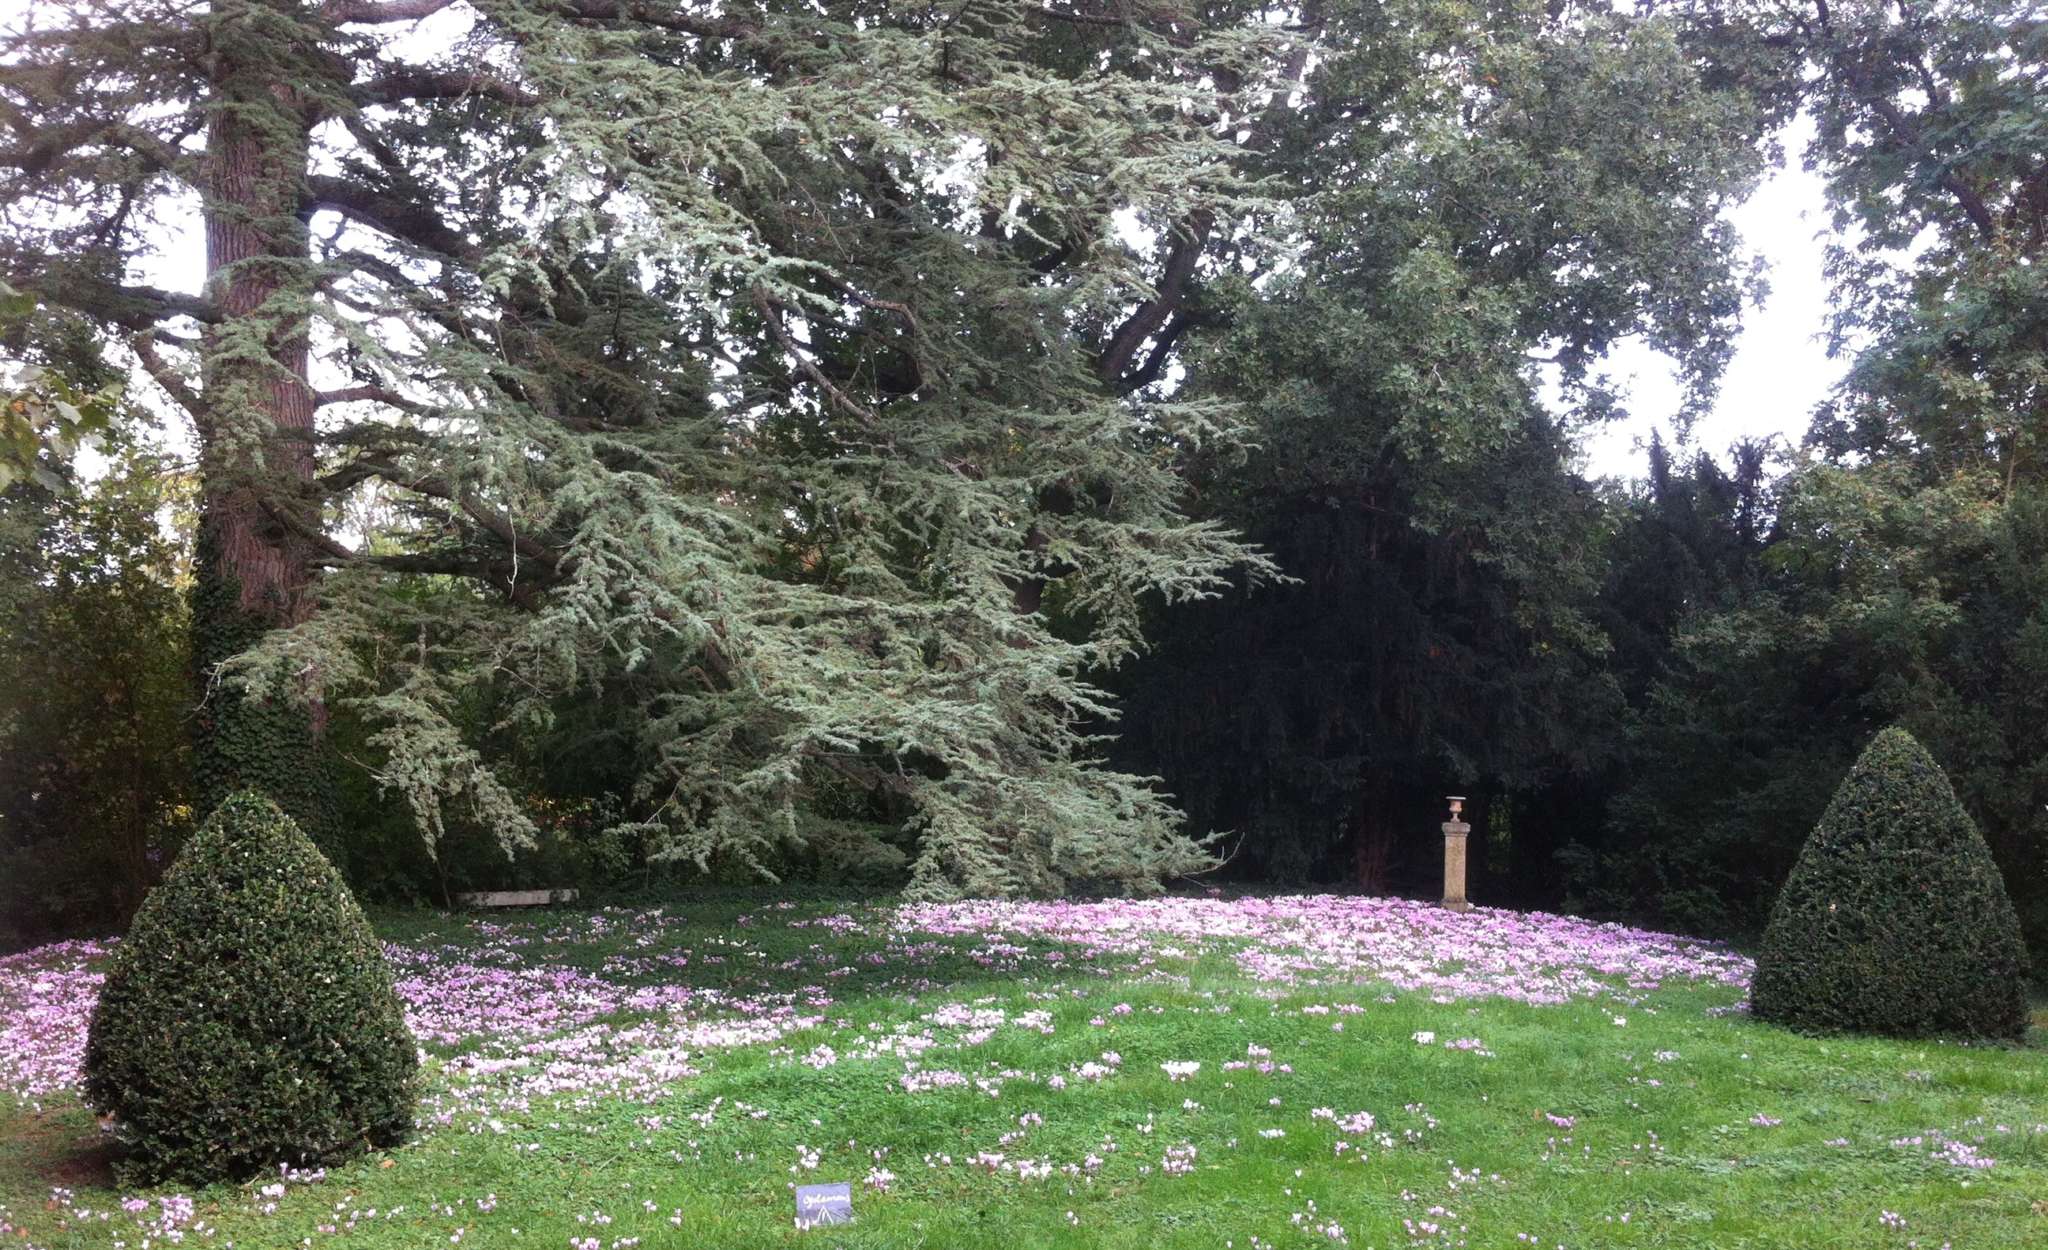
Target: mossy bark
point(254, 567)
point(272, 746)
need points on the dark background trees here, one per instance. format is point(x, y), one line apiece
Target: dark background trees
point(94, 770)
point(1899, 576)
point(1441, 634)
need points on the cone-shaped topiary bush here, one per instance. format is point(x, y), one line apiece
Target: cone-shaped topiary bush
point(249, 1019)
point(1895, 919)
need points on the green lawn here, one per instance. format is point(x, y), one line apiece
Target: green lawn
point(633, 1077)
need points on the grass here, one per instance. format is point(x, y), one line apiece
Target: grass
point(564, 1112)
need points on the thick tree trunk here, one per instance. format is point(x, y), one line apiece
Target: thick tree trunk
point(1371, 840)
point(255, 431)
point(259, 449)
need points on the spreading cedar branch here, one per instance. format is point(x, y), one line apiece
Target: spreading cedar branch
point(779, 375)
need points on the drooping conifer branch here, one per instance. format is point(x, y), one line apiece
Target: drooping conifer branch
point(732, 354)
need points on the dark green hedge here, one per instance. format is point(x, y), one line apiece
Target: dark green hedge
point(1895, 919)
point(249, 1019)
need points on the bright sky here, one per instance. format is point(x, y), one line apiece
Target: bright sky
point(1781, 368)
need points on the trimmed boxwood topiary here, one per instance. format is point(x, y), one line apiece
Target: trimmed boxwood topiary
point(1895, 919)
point(249, 1018)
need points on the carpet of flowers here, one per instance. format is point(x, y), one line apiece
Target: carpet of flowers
point(1064, 1059)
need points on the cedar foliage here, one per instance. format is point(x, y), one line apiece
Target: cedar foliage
point(249, 1017)
point(1895, 920)
point(775, 373)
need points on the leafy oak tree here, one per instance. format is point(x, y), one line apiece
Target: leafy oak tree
point(1489, 200)
point(770, 371)
point(1903, 579)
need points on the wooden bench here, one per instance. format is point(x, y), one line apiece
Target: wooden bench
point(516, 898)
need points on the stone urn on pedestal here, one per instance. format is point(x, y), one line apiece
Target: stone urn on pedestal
point(1455, 833)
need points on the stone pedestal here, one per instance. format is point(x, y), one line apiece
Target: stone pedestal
point(1455, 833)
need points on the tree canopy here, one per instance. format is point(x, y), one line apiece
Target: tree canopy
point(771, 369)
point(1493, 201)
point(1040, 445)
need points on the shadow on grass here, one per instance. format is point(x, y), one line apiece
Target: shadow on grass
point(58, 1147)
point(743, 946)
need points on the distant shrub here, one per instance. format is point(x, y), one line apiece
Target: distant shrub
point(249, 1019)
point(1895, 919)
